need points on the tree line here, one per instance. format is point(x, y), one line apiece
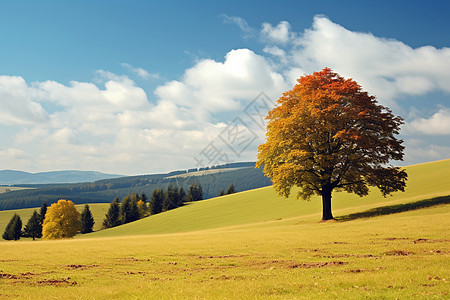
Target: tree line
point(61, 220)
point(134, 207)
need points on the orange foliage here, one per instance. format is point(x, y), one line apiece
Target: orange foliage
point(325, 134)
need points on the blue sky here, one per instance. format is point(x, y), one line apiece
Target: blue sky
point(135, 87)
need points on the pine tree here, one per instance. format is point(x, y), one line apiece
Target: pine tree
point(125, 210)
point(87, 220)
point(13, 230)
point(156, 201)
point(143, 197)
point(231, 189)
point(112, 217)
point(221, 193)
point(182, 196)
point(134, 210)
point(33, 229)
point(171, 198)
point(195, 193)
point(42, 213)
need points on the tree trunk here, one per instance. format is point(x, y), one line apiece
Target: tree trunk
point(326, 204)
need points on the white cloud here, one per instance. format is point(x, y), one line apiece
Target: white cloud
point(280, 34)
point(437, 124)
point(109, 124)
point(17, 104)
point(386, 68)
point(140, 72)
point(212, 86)
point(241, 23)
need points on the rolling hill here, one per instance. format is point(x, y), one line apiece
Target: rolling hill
point(425, 181)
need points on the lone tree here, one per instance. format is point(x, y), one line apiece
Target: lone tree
point(87, 220)
point(13, 230)
point(62, 220)
point(327, 134)
point(33, 228)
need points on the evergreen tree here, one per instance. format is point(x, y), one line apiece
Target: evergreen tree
point(195, 193)
point(134, 210)
point(221, 193)
point(125, 207)
point(143, 197)
point(156, 201)
point(42, 213)
point(231, 189)
point(13, 230)
point(171, 198)
point(87, 220)
point(134, 197)
point(33, 229)
point(112, 218)
point(182, 196)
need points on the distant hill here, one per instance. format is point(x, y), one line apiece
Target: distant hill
point(9, 177)
point(244, 176)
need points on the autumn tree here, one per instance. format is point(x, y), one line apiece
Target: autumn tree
point(62, 220)
point(33, 228)
point(13, 230)
point(87, 220)
point(326, 135)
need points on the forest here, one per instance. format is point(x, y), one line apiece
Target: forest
point(244, 176)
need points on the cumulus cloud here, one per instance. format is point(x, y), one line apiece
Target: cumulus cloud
point(437, 124)
point(212, 86)
point(109, 124)
point(387, 68)
point(280, 34)
point(17, 104)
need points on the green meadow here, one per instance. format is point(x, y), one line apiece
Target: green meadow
point(248, 245)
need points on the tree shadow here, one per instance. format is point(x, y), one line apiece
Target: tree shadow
point(393, 209)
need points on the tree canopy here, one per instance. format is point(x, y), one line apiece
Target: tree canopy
point(62, 220)
point(327, 134)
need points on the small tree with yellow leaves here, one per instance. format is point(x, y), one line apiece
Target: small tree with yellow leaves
point(62, 220)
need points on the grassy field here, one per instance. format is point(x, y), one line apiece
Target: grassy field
point(250, 245)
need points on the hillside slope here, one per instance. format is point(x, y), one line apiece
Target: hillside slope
point(425, 181)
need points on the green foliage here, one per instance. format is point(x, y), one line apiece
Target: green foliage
point(156, 201)
point(87, 220)
point(112, 217)
point(171, 198)
point(195, 193)
point(13, 230)
point(128, 210)
point(42, 212)
point(33, 228)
